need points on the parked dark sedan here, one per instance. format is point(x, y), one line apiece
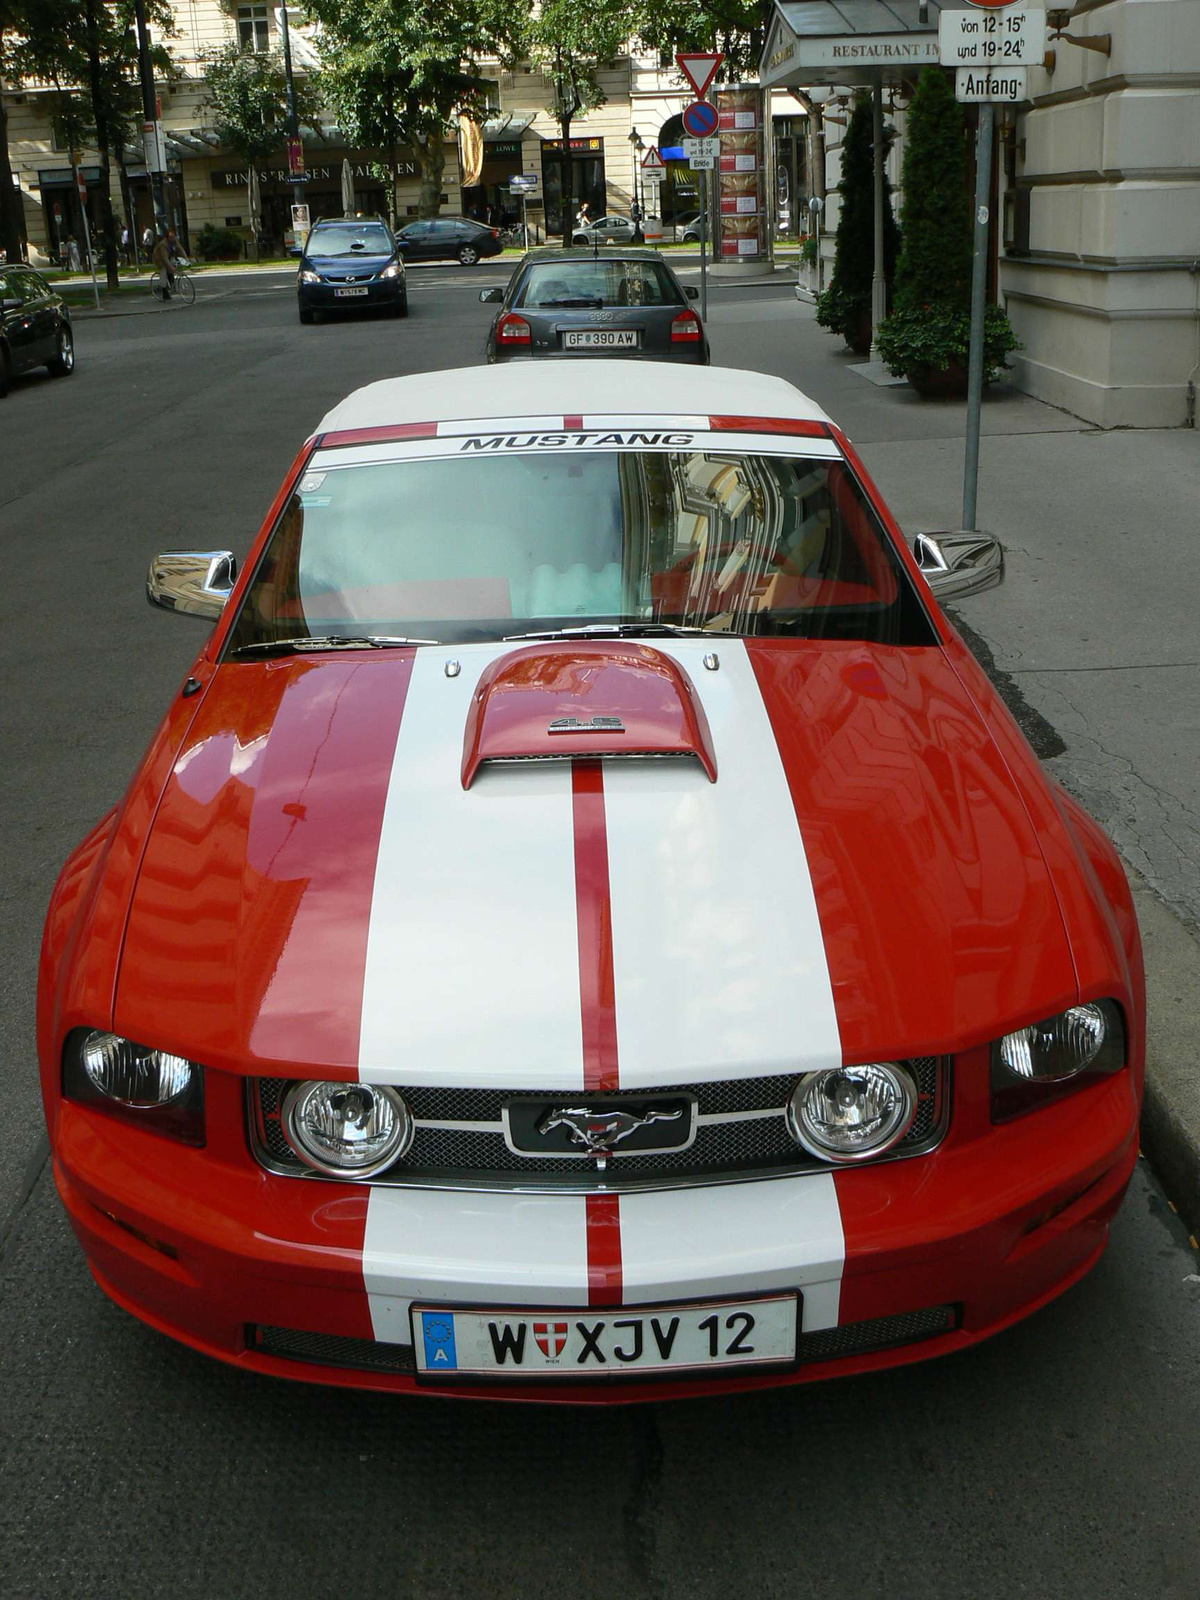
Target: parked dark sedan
point(35, 326)
point(350, 263)
point(449, 239)
point(579, 303)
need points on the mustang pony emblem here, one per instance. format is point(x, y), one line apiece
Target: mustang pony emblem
point(599, 1132)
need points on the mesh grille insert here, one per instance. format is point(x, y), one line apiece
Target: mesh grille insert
point(332, 1349)
point(853, 1338)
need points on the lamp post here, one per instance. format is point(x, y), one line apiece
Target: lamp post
point(635, 211)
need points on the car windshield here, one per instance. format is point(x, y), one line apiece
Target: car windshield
point(350, 239)
point(487, 546)
point(601, 281)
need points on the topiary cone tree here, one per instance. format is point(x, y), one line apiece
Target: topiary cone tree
point(845, 306)
point(926, 337)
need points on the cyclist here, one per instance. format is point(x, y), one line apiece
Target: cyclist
point(163, 257)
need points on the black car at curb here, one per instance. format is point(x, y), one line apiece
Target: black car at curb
point(35, 326)
point(571, 304)
point(460, 239)
point(350, 264)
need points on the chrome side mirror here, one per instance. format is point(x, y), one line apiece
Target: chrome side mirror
point(955, 565)
point(490, 297)
point(197, 582)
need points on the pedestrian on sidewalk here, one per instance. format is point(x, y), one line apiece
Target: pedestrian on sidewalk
point(74, 264)
point(127, 246)
point(163, 257)
point(147, 239)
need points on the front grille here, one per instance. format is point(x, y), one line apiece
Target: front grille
point(741, 1132)
point(878, 1333)
point(332, 1349)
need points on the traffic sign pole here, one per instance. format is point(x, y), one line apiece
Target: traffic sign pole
point(983, 184)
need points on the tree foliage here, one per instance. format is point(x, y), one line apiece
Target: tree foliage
point(935, 263)
point(930, 325)
point(848, 297)
point(402, 71)
point(569, 41)
point(735, 27)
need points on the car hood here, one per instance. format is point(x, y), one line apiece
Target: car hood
point(368, 864)
point(354, 263)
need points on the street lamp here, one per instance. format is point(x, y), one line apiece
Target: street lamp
point(635, 210)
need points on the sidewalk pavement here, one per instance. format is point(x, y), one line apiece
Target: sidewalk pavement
point(1093, 638)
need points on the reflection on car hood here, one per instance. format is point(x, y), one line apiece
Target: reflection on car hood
point(321, 893)
point(373, 260)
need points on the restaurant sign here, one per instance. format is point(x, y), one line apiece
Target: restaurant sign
point(238, 178)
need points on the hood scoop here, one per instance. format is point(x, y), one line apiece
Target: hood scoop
point(550, 702)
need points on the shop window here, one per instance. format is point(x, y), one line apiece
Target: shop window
point(254, 31)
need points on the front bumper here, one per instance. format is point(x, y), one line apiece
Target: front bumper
point(323, 296)
point(209, 1248)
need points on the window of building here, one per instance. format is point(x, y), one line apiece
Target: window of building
point(254, 31)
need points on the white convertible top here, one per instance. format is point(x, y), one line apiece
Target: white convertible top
point(570, 388)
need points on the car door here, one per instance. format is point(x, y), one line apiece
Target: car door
point(19, 331)
point(40, 307)
point(416, 241)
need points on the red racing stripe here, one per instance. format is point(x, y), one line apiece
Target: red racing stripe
point(573, 424)
point(604, 1249)
point(594, 912)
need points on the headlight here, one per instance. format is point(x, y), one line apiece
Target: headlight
point(132, 1074)
point(152, 1089)
point(1042, 1061)
point(307, 275)
point(392, 271)
point(346, 1130)
point(852, 1113)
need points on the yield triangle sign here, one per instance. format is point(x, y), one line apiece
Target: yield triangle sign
point(652, 162)
point(699, 67)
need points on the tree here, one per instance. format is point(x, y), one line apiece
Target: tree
point(247, 92)
point(735, 27)
point(570, 40)
point(929, 329)
point(22, 23)
point(845, 307)
point(404, 70)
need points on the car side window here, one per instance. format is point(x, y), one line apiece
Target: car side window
point(7, 288)
point(31, 288)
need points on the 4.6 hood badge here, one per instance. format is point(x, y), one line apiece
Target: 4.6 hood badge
point(593, 725)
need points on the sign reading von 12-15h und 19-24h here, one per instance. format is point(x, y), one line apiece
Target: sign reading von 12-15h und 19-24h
point(992, 38)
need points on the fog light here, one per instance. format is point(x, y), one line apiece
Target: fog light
point(1057, 1048)
point(131, 1074)
point(346, 1129)
point(852, 1113)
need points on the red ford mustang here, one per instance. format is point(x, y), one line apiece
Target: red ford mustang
point(586, 928)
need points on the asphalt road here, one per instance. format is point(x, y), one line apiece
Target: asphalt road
point(1058, 1460)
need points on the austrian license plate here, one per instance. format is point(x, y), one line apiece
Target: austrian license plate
point(602, 339)
point(575, 1344)
point(346, 294)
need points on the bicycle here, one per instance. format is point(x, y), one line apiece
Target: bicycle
point(181, 286)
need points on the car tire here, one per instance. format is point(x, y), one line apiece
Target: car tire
point(468, 255)
point(580, 238)
point(400, 309)
point(306, 314)
point(62, 363)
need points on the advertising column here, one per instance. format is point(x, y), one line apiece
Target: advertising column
point(742, 233)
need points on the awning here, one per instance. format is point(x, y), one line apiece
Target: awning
point(508, 125)
point(847, 42)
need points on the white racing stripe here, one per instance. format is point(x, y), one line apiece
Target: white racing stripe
point(737, 1239)
point(472, 967)
point(486, 1249)
point(718, 955)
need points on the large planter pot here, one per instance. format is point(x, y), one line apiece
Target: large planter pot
point(858, 333)
point(940, 383)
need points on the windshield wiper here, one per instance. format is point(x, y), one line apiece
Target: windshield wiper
point(327, 641)
point(615, 630)
point(582, 303)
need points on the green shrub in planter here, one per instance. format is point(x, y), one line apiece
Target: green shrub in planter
point(928, 331)
point(808, 251)
point(912, 342)
point(845, 307)
point(217, 244)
